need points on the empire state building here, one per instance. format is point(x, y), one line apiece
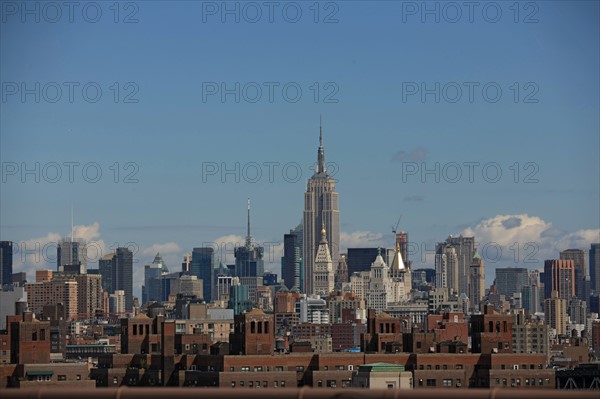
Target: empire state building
point(321, 209)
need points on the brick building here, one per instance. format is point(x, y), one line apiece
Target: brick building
point(253, 333)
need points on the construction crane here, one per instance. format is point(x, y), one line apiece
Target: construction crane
point(394, 228)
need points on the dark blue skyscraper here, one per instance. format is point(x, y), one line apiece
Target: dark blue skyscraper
point(6, 262)
point(249, 258)
point(123, 275)
point(202, 266)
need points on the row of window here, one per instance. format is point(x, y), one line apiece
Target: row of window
point(516, 382)
point(438, 367)
point(298, 368)
point(446, 382)
point(333, 383)
point(257, 384)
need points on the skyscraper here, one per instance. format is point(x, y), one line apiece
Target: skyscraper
point(595, 267)
point(321, 208)
point(402, 241)
point(6, 262)
point(123, 275)
point(464, 248)
point(559, 275)
point(476, 282)
point(578, 258)
point(249, 262)
point(555, 310)
point(292, 258)
point(202, 267)
point(323, 268)
point(106, 268)
point(446, 268)
point(511, 280)
point(152, 290)
point(71, 252)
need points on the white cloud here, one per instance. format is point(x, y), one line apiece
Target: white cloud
point(357, 239)
point(164, 249)
point(526, 239)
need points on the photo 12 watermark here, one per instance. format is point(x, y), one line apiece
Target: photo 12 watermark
point(69, 92)
point(260, 172)
point(270, 92)
point(471, 12)
point(69, 12)
point(69, 172)
point(271, 12)
point(470, 92)
point(469, 172)
point(90, 251)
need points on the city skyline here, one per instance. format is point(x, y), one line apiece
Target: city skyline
point(166, 147)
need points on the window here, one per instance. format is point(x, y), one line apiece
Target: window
point(241, 383)
point(231, 368)
point(42, 335)
point(445, 367)
point(251, 384)
point(257, 384)
point(62, 377)
point(265, 384)
point(447, 382)
point(340, 367)
point(331, 383)
point(258, 368)
point(458, 383)
point(245, 368)
point(320, 383)
point(390, 386)
point(233, 384)
point(458, 366)
point(430, 382)
point(275, 384)
point(78, 377)
point(115, 380)
point(34, 336)
point(299, 368)
point(278, 368)
point(282, 384)
point(346, 383)
point(420, 382)
point(253, 327)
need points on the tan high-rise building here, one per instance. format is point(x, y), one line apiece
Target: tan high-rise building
point(559, 275)
point(53, 291)
point(90, 295)
point(555, 311)
point(321, 208)
point(578, 258)
point(476, 282)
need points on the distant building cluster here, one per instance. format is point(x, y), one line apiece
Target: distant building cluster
point(360, 318)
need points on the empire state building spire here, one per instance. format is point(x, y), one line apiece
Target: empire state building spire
point(248, 236)
point(321, 165)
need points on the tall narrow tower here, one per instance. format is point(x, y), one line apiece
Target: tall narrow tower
point(321, 208)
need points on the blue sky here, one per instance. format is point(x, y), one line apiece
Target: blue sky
point(365, 62)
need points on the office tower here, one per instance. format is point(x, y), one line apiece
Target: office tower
point(595, 267)
point(321, 208)
point(341, 274)
point(360, 259)
point(555, 310)
point(117, 303)
point(152, 290)
point(6, 262)
point(106, 269)
point(511, 280)
point(202, 267)
point(577, 311)
point(90, 295)
point(559, 275)
point(323, 268)
point(578, 258)
point(446, 268)
point(476, 282)
point(402, 241)
point(533, 293)
point(464, 247)
point(249, 263)
point(292, 258)
point(400, 277)
point(70, 252)
point(123, 275)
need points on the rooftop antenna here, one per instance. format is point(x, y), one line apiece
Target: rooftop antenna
point(72, 238)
